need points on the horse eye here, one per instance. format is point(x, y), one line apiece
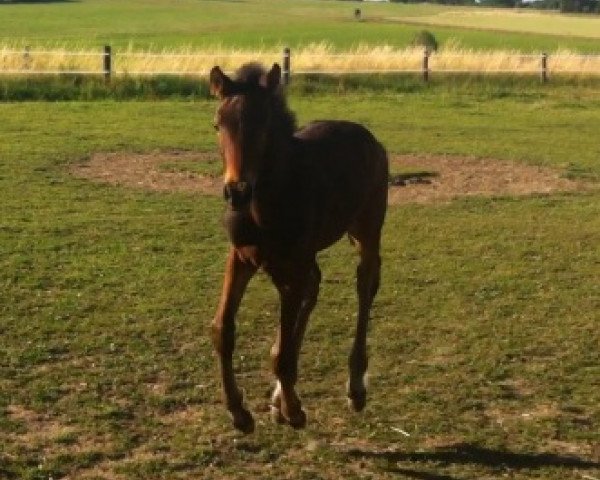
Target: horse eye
point(216, 127)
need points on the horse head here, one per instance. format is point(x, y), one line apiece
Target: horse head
point(243, 121)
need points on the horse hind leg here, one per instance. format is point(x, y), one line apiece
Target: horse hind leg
point(308, 304)
point(285, 364)
point(366, 233)
point(291, 281)
point(368, 277)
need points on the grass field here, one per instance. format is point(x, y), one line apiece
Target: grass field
point(483, 342)
point(505, 20)
point(259, 23)
point(190, 36)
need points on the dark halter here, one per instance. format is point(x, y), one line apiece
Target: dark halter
point(237, 194)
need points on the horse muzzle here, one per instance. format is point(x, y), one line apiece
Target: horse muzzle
point(237, 194)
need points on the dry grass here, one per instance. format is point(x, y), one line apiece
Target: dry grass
point(318, 57)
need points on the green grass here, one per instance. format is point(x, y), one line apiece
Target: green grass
point(483, 341)
point(85, 88)
point(258, 23)
point(485, 333)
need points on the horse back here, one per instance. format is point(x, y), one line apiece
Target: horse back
point(343, 171)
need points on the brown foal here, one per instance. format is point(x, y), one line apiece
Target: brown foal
point(290, 194)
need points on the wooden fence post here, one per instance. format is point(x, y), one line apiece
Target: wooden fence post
point(286, 65)
point(107, 63)
point(426, 65)
point(544, 72)
point(27, 58)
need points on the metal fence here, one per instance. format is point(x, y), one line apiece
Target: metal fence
point(108, 63)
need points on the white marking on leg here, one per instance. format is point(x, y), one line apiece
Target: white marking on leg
point(276, 397)
point(276, 415)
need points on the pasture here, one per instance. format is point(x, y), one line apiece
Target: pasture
point(266, 23)
point(484, 357)
point(483, 341)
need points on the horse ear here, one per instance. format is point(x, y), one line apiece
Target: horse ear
point(274, 77)
point(220, 84)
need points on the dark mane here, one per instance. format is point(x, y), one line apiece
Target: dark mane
point(250, 75)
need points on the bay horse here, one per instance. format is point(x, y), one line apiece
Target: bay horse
point(291, 193)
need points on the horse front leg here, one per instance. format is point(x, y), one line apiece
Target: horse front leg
point(237, 276)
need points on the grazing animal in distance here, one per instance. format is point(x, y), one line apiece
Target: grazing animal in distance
point(291, 193)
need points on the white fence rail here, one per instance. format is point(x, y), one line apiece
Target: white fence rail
point(107, 63)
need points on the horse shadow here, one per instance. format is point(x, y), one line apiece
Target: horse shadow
point(470, 454)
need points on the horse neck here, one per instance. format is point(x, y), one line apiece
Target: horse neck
point(276, 175)
point(273, 180)
point(279, 153)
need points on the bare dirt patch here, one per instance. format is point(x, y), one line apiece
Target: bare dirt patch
point(448, 177)
point(145, 171)
point(39, 429)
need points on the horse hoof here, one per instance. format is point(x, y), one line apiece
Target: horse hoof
point(243, 421)
point(357, 400)
point(298, 420)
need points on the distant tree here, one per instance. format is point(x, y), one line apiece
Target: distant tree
point(567, 6)
point(441, 2)
point(498, 3)
point(579, 6)
point(425, 39)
